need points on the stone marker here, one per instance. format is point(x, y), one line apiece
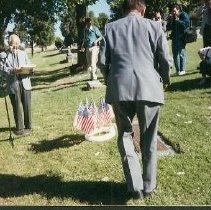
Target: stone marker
point(69, 56)
point(94, 84)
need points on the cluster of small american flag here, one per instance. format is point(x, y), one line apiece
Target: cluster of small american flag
point(90, 117)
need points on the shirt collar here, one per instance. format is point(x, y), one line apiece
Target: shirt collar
point(132, 13)
point(91, 28)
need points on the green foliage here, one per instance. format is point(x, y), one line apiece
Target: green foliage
point(81, 2)
point(151, 6)
point(68, 22)
point(58, 42)
point(21, 31)
point(25, 11)
point(45, 36)
point(102, 20)
point(69, 40)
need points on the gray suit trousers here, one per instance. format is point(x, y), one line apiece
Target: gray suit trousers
point(148, 117)
point(21, 104)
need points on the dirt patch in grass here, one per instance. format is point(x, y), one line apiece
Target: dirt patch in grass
point(163, 148)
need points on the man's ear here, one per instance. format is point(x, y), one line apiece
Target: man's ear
point(143, 11)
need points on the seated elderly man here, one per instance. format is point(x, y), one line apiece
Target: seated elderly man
point(205, 64)
point(18, 85)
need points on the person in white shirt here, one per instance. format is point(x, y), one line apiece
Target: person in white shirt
point(205, 64)
point(18, 85)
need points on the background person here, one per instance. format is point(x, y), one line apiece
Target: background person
point(159, 16)
point(92, 38)
point(205, 64)
point(206, 23)
point(180, 21)
point(18, 86)
point(134, 86)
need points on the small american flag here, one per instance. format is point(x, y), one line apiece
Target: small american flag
point(105, 114)
point(78, 120)
point(88, 123)
point(88, 117)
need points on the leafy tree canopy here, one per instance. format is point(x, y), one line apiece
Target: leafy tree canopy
point(152, 5)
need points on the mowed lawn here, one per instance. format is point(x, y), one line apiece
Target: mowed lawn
point(57, 166)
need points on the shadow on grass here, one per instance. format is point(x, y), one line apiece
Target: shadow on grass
point(47, 73)
point(5, 129)
point(82, 83)
point(73, 84)
point(188, 85)
point(52, 55)
point(61, 86)
point(44, 79)
point(76, 68)
point(176, 147)
point(49, 77)
point(91, 192)
point(61, 142)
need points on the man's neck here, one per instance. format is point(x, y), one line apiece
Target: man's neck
point(135, 11)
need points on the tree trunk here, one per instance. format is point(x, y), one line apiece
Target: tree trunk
point(32, 48)
point(2, 30)
point(80, 17)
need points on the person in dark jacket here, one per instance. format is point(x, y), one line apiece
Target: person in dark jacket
point(180, 22)
point(206, 21)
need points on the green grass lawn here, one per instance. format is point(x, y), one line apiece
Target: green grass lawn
point(57, 166)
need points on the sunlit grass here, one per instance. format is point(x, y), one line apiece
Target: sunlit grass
point(56, 166)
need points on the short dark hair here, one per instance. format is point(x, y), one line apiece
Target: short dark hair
point(159, 11)
point(177, 6)
point(133, 4)
point(88, 20)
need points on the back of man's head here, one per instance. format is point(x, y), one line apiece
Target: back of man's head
point(129, 5)
point(88, 20)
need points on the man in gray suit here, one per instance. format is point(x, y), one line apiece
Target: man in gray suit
point(18, 86)
point(136, 72)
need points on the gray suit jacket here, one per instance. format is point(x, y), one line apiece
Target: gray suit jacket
point(11, 78)
point(136, 65)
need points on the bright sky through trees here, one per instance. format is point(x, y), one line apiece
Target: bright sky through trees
point(100, 6)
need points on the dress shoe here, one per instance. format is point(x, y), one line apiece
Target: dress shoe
point(27, 131)
point(135, 195)
point(18, 132)
point(24, 132)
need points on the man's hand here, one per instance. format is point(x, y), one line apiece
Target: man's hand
point(96, 43)
point(176, 17)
